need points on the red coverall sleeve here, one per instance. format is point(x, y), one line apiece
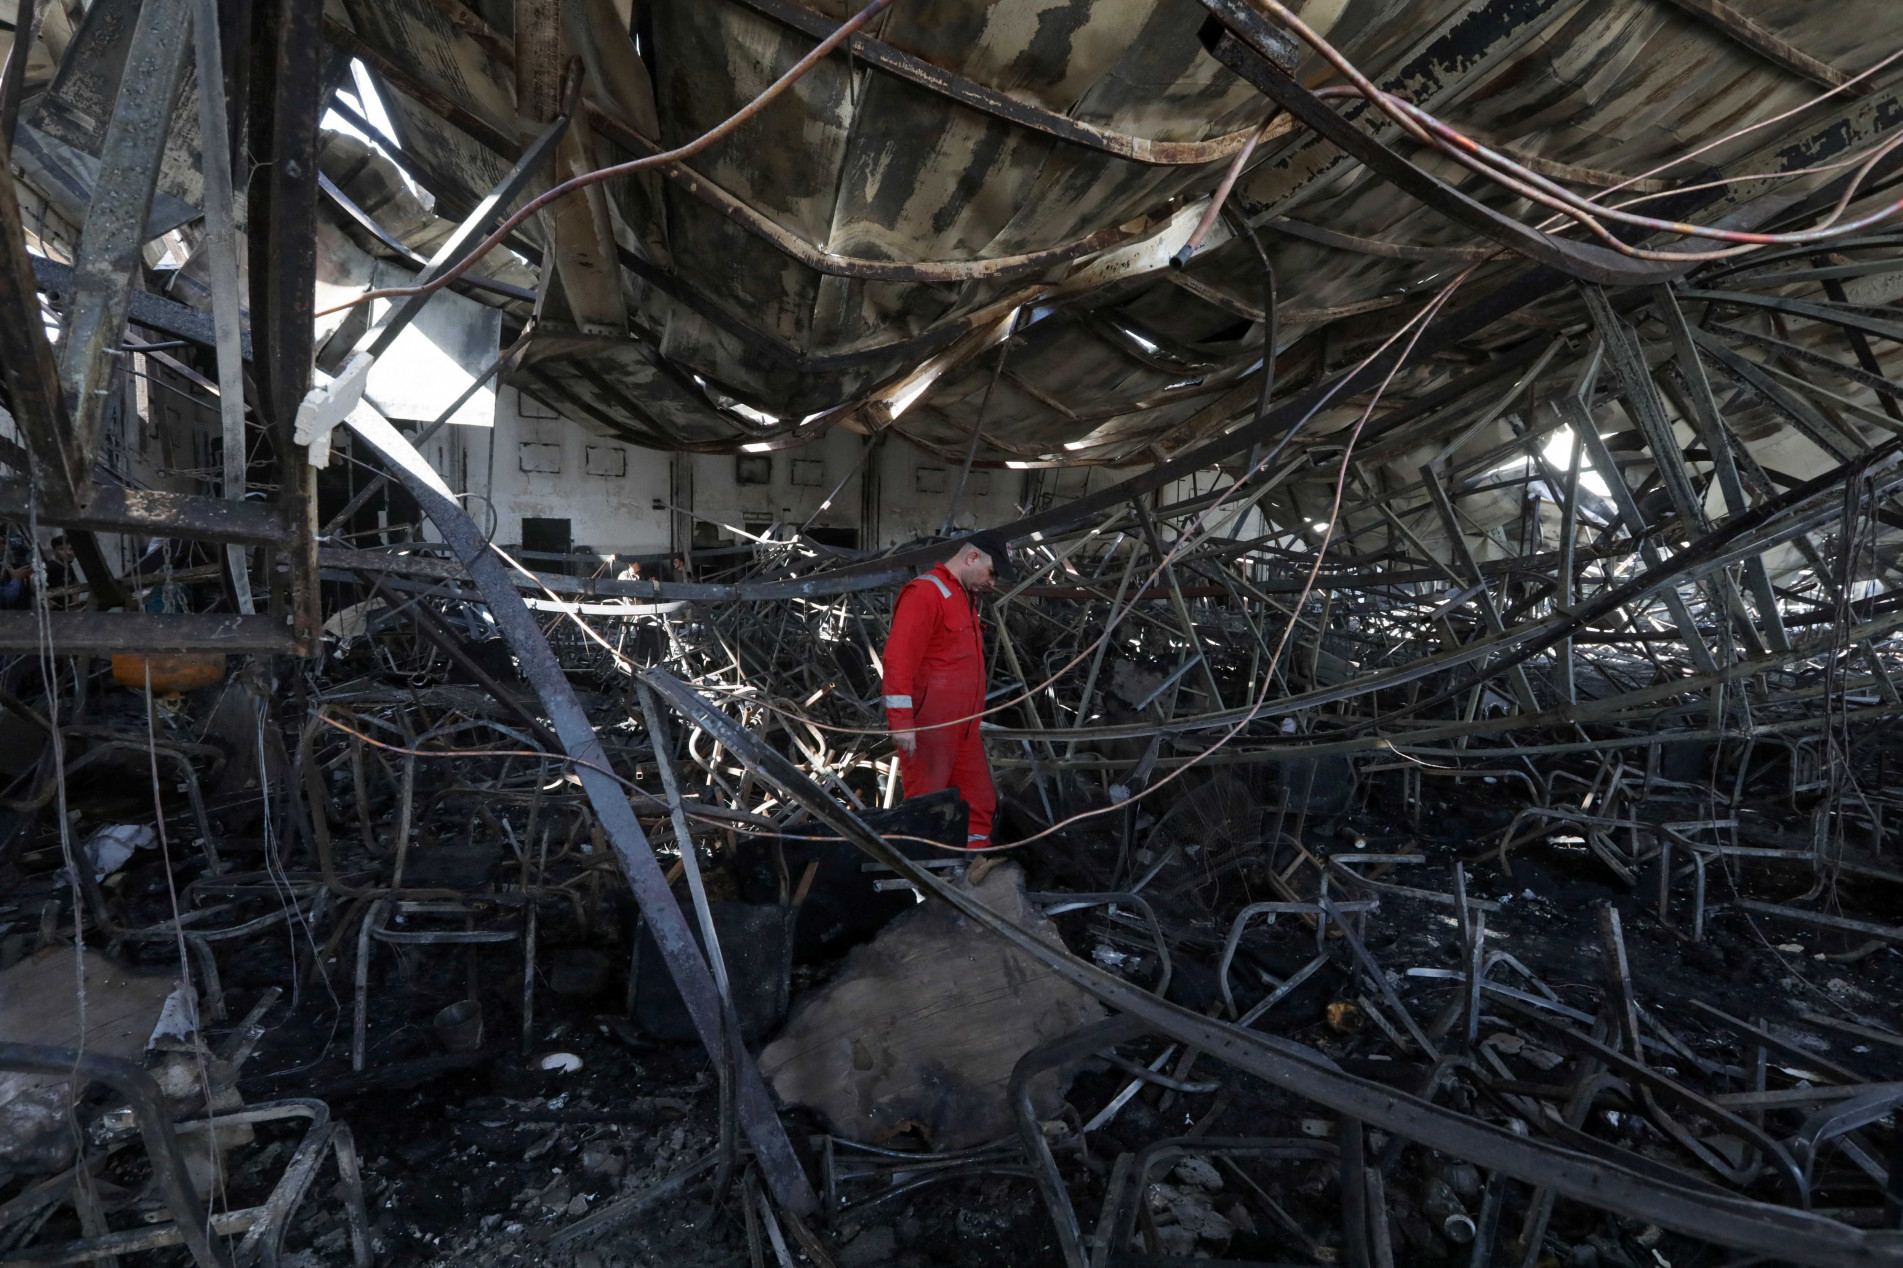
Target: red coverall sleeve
point(913, 618)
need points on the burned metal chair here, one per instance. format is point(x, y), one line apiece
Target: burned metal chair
point(376, 927)
point(892, 1173)
point(298, 900)
point(205, 1238)
point(1058, 904)
point(435, 883)
point(1538, 788)
point(100, 743)
point(1098, 1039)
point(1123, 1201)
point(1278, 990)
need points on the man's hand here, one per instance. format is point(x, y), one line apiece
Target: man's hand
point(907, 742)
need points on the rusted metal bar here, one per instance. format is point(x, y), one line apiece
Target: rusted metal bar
point(150, 512)
point(1859, 317)
point(1587, 429)
point(467, 21)
point(26, 358)
point(145, 632)
point(1457, 546)
point(466, 283)
point(1646, 406)
point(1868, 373)
point(286, 56)
point(1178, 605)
point(1772, 47)
point(1354, 1191)
point(1889, 933)
point(13, 85)
point(220, 248)
point(477, 128)
point(1805, 417)
point(108, 258)
point(730, 1048)
point(152, 311)
point(1707, 419)
point(469, 234)
point(1619, 980)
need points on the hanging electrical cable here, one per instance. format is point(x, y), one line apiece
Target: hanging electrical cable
point(1517, 178)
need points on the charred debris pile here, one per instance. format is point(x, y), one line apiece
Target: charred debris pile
point(1259, 984)
point(1444, 721)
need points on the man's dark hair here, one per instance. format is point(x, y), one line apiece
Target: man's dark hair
point(58, 541)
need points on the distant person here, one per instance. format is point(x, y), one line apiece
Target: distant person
point(16, 579)
point(62, 572)
point(935, 679)
point(631, 573)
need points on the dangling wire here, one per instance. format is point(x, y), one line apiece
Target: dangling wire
point(185, 985)
point(49, 675)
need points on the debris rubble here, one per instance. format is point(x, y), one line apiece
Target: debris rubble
point(1029, 633)
point(917, 1032)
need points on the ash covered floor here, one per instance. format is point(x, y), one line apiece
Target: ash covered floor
point(489, 1148)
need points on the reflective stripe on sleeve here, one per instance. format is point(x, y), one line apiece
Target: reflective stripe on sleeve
point(898, 702)
point(940, 584)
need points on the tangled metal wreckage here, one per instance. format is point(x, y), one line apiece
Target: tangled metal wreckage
point(1442, 726)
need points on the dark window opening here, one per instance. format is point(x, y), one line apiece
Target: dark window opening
point(844, 538)
point(543, 536)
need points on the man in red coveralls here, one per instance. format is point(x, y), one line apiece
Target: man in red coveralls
point(935, 678)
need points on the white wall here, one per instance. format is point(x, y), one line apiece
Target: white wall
point(820, 467)
point(607, 489)
point(915, 489)
point(628, 513)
